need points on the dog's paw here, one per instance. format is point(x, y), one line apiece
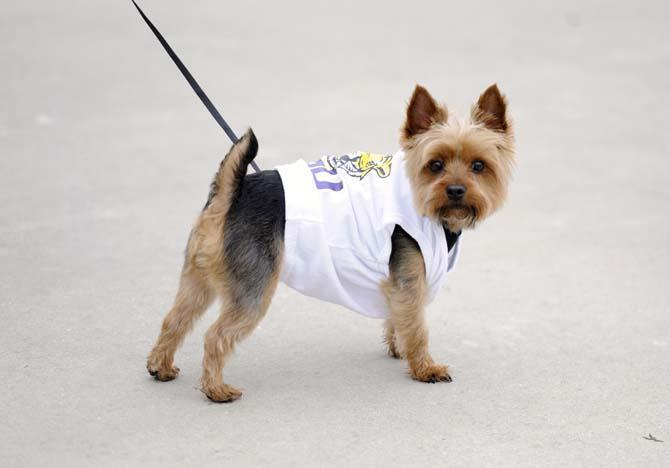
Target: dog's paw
point(431, 373)
point(222, 393)
point(163, 373)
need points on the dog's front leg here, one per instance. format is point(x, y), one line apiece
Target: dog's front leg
point(412, 334)
point(405, 291)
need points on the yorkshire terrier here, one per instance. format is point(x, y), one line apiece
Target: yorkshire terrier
point(374, 233)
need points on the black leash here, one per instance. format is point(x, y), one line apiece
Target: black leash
point(191, 81)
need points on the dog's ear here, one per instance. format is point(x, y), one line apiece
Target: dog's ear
point(422, 112)
point(491, 110)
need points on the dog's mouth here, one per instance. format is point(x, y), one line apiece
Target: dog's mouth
point(459, 214)
point(456, 211)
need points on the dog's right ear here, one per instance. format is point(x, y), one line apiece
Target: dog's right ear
point(422, 112)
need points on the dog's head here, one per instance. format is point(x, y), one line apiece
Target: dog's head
point(459, 170)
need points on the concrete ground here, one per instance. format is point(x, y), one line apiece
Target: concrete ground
point(555, 323)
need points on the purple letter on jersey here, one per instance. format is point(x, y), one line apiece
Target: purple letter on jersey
point(319, 172)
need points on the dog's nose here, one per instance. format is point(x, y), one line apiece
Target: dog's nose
point(455, 192)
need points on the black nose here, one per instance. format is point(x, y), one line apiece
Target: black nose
point(455, 192)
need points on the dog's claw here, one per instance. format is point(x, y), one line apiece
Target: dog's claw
point(222, 394)
point(164, 376)
point(431, 374)
point(220, 401)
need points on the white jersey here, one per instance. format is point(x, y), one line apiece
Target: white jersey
point(340, 214)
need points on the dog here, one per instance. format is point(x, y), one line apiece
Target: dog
point(374, 233)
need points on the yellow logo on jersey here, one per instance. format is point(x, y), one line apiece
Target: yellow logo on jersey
point(361, 164)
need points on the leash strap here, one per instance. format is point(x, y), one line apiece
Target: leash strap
point(191, 81)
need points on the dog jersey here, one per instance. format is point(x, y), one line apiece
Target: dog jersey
point(340, 215)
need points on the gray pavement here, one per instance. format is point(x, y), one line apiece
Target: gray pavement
point(556, 322)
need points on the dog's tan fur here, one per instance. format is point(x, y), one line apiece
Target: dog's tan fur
point(406, 332)
point(459, 144)
point(204, 277)
point(429, 134)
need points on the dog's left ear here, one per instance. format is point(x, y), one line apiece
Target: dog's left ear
point(491, 110)
point(422, 112)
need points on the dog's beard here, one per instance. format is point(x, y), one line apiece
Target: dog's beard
point(455, 215)
point(458, 216)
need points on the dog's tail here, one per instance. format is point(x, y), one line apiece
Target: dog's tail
point(227, 182)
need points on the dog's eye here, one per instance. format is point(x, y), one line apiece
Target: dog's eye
point(436, 166)
point(477, 167)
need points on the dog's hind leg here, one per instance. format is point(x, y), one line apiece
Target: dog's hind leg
point(193, 298)
point(239, 317)
point(203, 263)
point(390, 340)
